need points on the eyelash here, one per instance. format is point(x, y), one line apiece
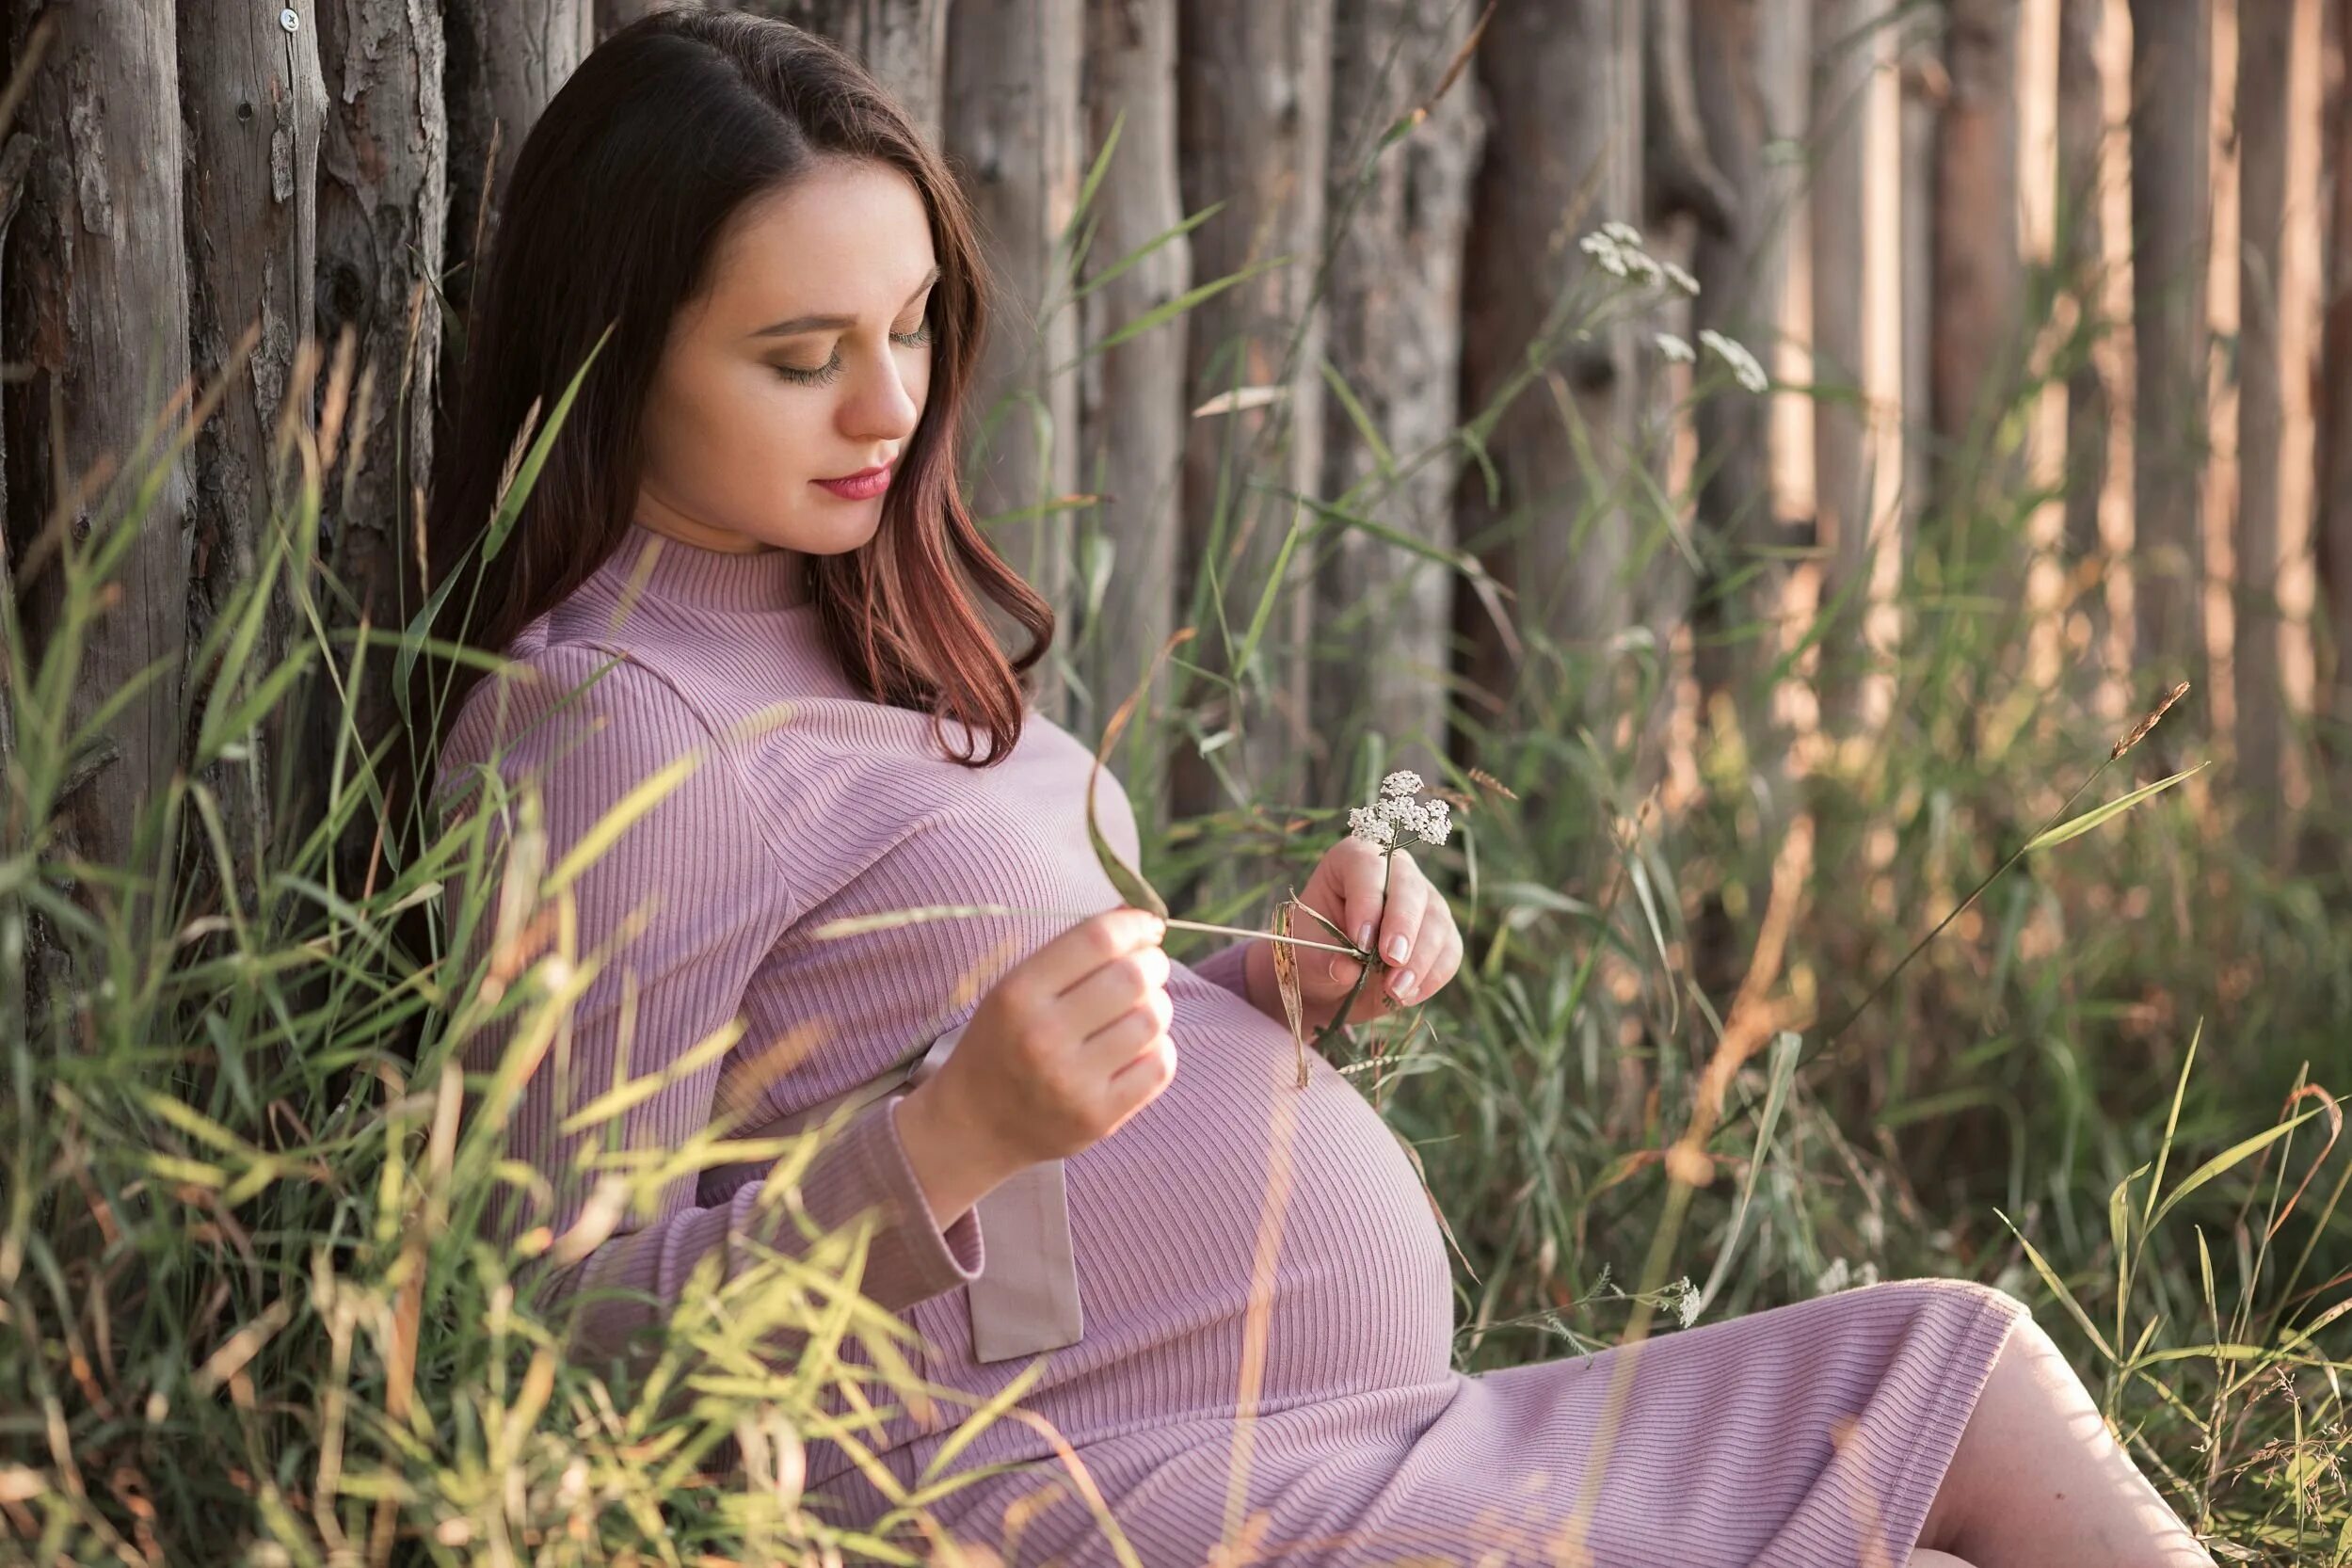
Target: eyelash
point(832, 367)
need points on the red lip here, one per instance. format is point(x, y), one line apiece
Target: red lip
point(861, 473)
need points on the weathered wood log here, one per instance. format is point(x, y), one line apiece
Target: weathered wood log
point(2334, 525)
point(2082, 132)
point(613, 15)
point(383, 212)
point(902, 42)
point(1394, 298)
point(1253, 107)
point(1978, 279)
point(96, 322)
point(1748, 63)
point(1845, 34)
point(505, 60)
point(2265, 42)
point(1562, 157)
point(1130, 395)
point(254, 105)
point(1013, 136)
point(2171, 227)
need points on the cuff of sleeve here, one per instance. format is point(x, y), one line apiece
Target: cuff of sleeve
point(1228, 966)
point(912, 1257)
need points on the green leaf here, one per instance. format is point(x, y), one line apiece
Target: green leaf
point(2099, 814)
point(2227, 1158)
point(2057, 1288)
point(2172, 1123)
point(1170, 310)
point(1783, 1071)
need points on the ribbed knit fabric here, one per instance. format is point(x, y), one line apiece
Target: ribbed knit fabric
point(1811, 1435)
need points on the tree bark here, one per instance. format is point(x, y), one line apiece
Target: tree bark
point(97, 324)
point(1683, 194)
point(1680, 176)
point(505, 60)
point(1980, 279)
point(254, 107)
point(1562, 157)
point(383, 213)
point(1925, 85)
point(1845, 36)
point(613, 15)
point(1395, 299)
point(1748, 62)
point(16, 158)
point(1253, 126)
point(2334, 530)
point(1012, 117)
point(2082, 130)
point(2265, 39)
point(1130, 395)
point(2171, 217)
point(901, 42)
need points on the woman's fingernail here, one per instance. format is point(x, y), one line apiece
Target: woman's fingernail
point(1338, 968)
point(1397, 949)
point(1405, 983)
point(1363, 934)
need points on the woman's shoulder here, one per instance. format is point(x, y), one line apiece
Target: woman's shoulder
point(592, 702)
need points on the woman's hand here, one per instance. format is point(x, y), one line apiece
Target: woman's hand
point(1413, 931)
point(1061, 1051)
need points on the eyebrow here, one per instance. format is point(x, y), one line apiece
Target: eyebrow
point(832, 324)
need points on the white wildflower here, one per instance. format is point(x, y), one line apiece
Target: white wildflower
point(1680, 277)
point(1743, 366)
point(1622, 232)
point(1833, 1278)
point(1687, 1304)
point(1645, 266)
point(1607, 254)
point(1675, 350)
point(1375, 827)
point(1396, 810)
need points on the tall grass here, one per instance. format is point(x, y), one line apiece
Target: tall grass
point(247, 1318)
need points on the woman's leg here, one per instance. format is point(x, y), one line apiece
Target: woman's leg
point(2037, 1481)
point(1924, 1559)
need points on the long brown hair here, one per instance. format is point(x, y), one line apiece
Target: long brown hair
point(618, 194)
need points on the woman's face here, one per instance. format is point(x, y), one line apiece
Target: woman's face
point(807, 359)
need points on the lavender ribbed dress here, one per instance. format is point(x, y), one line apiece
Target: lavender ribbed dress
point(1808, 1435)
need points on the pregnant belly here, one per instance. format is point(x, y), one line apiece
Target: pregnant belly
point(1237, 1191)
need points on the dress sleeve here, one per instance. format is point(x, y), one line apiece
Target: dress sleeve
point(1228, 968)
point(682, 906)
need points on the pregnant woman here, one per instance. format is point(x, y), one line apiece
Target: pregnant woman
point(746, 554)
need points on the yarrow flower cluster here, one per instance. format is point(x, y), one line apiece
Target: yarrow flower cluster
point(1743, 366)
point(1428, 820)
point(1615, 248)
point(1687, 1302)
point(1676, 349)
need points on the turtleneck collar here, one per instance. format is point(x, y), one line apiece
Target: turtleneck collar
point(713, 579)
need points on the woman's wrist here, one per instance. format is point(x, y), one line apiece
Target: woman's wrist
point(955, 1166)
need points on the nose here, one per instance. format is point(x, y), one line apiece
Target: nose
point(880, 405)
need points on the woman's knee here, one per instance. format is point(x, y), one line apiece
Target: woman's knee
point(1924, 1558)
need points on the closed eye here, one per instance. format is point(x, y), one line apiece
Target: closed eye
point(831, 369)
